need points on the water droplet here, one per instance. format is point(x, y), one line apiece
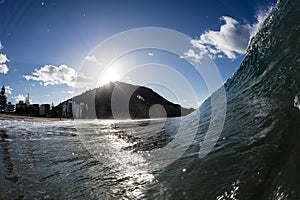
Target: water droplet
point(297, 101)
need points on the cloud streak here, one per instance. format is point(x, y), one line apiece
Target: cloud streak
point(91, 58)
point(230, 41)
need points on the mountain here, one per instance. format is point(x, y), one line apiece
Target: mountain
point(118, 100)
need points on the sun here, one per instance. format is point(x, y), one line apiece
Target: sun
point(110, 75)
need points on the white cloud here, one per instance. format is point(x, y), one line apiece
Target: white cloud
point(230, 41)
point(3, 68)
point(3, 58)
point(150, 54)
point(53, 75)
point(20, 97)
point(8, 89)
point(91, 58)
point(196, 57)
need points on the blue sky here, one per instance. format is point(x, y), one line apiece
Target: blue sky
point(44, 43)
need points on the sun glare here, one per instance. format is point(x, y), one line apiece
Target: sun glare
point(110, 75)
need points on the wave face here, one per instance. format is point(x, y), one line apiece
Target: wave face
point(257, 155)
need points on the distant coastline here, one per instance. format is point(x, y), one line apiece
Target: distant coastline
point(13, 117)
point(113, 100)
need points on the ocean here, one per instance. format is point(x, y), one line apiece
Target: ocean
point(255, 156)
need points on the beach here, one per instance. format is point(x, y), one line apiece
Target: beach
point(28, 118)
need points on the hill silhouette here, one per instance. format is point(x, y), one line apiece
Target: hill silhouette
point(118, 100)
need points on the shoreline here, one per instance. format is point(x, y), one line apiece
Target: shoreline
point(12, 117)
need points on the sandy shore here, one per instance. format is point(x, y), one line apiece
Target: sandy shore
point(27, 118)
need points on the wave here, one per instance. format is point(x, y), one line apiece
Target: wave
point(257, 154)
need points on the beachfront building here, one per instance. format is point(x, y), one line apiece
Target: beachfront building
point(81, 110)
point(44, 110)
point(21, 108)
point(33, 109)
point(26, 108)
point(27, 99)
point(2, 99)
point(67, 109)
point(10, 108)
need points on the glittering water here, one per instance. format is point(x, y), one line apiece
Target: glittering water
point(55, 159)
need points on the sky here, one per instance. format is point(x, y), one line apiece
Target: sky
point(45, 45)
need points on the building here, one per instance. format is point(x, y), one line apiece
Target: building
point(44, 110)
point(34, 111)
point(10, 107)
point(2, 99)
point(81, 110)
point(27, 99)
point(67, 109)
point(21, 108)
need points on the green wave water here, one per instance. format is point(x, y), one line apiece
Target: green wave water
point(257, 155)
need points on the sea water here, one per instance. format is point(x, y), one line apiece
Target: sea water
point(256, 155)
